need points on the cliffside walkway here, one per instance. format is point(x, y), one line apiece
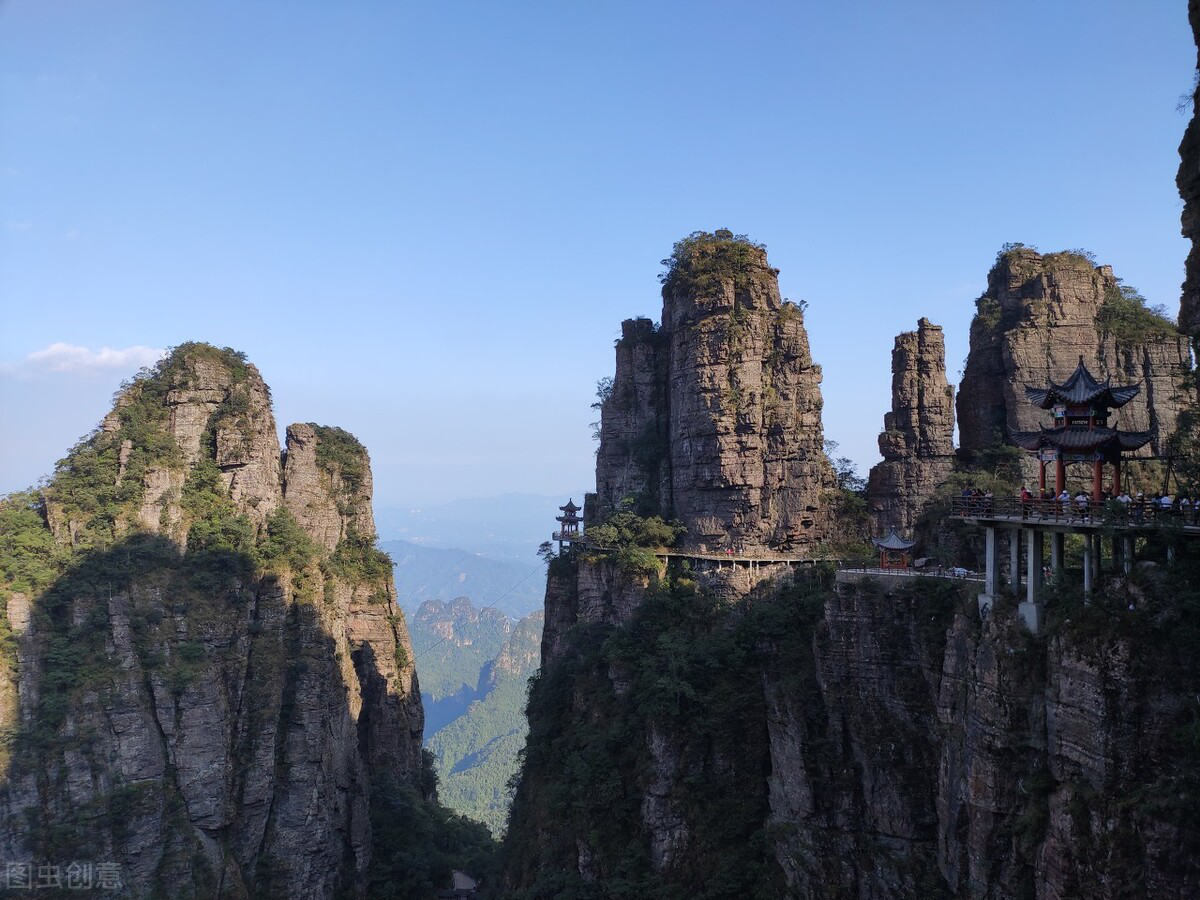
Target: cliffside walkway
point(1120, 523)
point(847, 569)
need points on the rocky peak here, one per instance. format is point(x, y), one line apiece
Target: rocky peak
point(715, 417)
point(917, 442)
point(1039, 315)
point(327, 483)
point(242, 675)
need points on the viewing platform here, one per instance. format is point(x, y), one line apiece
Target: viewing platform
point(1094, 520)
point(1071, 516)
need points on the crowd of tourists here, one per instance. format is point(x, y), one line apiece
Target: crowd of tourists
point(1124, 508)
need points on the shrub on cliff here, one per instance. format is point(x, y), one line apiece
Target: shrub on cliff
point(702, 260)
point(1126, 317)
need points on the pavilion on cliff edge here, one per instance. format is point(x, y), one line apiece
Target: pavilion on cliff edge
point(568, 530)
point(1081, 433)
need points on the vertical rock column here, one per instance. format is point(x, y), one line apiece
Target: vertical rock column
point(1188, 182)
point(917, 442)
point(715, 417)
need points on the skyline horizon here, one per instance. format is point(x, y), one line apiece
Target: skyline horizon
point(431, 237)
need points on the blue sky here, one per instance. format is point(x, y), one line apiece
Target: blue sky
point(425, 222)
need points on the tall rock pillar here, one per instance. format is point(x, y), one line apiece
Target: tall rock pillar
point(917, 442)
point(715, 417)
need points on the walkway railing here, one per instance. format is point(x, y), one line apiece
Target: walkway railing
point(1136, 514)
point(935, 572)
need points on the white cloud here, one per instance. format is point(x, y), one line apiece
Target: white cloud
point(62, 357)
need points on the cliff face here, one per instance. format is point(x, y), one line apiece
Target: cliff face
point(917, 442)
point(698, 731)
point(1039, 315)
point(1188, 182)
point(210, 669)
point(715, 418)
point(812, 741)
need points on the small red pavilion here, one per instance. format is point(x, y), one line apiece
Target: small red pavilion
point(894, 551)
point(1081, 432)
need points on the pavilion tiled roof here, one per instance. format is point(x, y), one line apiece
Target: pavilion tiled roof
point(1077, 438)
point(893, 542)
point(1082, 387)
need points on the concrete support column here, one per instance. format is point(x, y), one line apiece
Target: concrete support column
point(990, 572)
point(1032, 610)
point(1096, 554)
point(1014, 560)
point(1127, 554)
point(1057, 542)
point(1170, 554)
point(1087, 566)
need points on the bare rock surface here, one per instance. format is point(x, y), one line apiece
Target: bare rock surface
point(715, 417)
point(917, 442)
point(1039, 316)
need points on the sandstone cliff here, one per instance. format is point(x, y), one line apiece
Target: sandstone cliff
point(714, 418)
point(210, 670)
point(1188, 182)
point(917, 442)
point(1039, 315)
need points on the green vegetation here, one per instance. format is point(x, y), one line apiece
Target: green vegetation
point(702, 261)
point(357, 558)
point(416, 843)
point(951, 541)
point(1126, 317)
point(694, 667)
point(849, 537)
point(339, 452)
point(634, 539)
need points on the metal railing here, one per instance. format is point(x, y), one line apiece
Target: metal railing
point(957, 574)
point(1145, 513)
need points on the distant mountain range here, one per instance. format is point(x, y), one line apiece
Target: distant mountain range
point(473, 666)
point(506, 527)
point(429, 573)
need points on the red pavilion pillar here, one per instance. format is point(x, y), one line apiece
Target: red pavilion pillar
point(1060, 476)
point(1097, 481)
point(1117, 477)
point(1041, 477)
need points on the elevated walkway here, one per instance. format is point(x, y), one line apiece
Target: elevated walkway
point(1094, 521)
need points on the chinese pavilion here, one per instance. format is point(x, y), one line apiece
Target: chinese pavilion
point(893, 551)
point(1081, 432)
point(569, 529)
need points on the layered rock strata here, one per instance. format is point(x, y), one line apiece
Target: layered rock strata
point(209, 687)
point(1188, 182)
point(1038, 317)
point(917, 442)
point(714, 418)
